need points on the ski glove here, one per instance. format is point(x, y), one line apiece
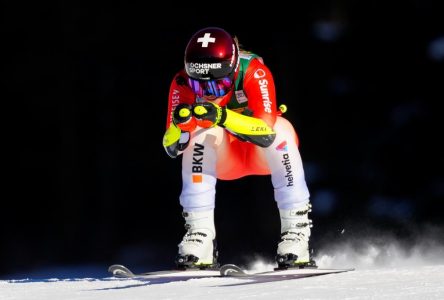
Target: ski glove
point(208, 114)
point(183, 117)
point(177, 136)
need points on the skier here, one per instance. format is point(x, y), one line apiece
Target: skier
point(223, 119)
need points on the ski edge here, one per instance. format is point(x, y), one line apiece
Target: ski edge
point(232, 270)
point(120, 271)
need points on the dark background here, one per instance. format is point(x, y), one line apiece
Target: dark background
point(85, 97)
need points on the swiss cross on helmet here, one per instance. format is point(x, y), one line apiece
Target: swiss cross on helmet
point(212, 53)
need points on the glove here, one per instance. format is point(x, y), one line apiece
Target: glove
point(208, 114)
point(183, 117)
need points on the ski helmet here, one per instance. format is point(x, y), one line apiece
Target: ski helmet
point(212, 53)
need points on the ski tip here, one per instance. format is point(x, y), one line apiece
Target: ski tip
point(332, 271)
point(348, 270)
point(114, 267)
point(230, 270)
point(120, 271)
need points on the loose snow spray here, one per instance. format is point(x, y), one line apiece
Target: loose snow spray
point(371, 249)
point(383, 250)
point(260, 265)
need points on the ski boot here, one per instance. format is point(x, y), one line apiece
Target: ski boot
point(198, 248)
point(292, 251)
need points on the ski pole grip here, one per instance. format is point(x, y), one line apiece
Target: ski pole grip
point(200, 110)
point(182, 113)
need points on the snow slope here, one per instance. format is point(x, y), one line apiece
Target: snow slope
point(425, 282)
point(382, 272)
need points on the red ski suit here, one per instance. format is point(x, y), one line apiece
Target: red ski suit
point(239, 158)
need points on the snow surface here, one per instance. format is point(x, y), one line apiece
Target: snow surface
point(382, 272)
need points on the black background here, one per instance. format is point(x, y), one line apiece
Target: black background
point(87, 179)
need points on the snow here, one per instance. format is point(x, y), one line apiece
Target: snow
point(381, 272)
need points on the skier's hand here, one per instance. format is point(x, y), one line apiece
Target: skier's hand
point(208, 114)
point(183, 117)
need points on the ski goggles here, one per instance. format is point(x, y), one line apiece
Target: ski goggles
point(217, 87)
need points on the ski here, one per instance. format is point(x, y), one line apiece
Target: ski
point(120, 271)
point(232, 270)
point(227, 270)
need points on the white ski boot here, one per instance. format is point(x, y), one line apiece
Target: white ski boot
point(293, 249)
point(198, 247)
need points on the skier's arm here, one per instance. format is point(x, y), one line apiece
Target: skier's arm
point(178, 125)
point(260, 91)
point(250, 129)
